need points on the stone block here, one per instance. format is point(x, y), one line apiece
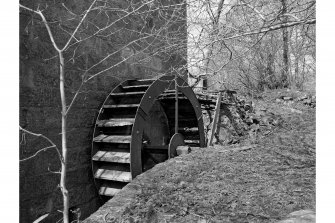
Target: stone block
point(79, 118)
point(89, 99)
point(81, 194)
point(48, 118)
point(80, 137)
point(39, 164)
point(79, 175)
point(89, 207)
point(39, 97)
point(32, 209)
point(38, 185)
point(79, 156)
point(40, 119)
point(50, 97)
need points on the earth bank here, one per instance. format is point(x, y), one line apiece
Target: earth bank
point(258, 180)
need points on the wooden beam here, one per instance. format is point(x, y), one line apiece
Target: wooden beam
point(214, 123)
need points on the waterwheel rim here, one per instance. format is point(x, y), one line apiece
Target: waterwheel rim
point(132, 122)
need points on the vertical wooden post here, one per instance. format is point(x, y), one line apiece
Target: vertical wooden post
point(176, 107)
point(215, 120)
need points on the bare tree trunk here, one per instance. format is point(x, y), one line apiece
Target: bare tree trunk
point(296, 81)
point(63, 188)
point(285, 71)
point(303, 74)
point(215, 30)
point(64, 141)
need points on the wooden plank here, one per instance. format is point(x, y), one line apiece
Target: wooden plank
point(116, 157)
point(162, 149)
point(214, 124)
point(113, 138)
point(191, 137)
point(108, 191)
point(115, 175)
point(191, 130)
point(122, 106)
point(171, 95)
point(176, 108)
point(140, 82)
point(128, 93)
point(136, 86)
point(156, 147)
point(191, 141)
point(115, 122)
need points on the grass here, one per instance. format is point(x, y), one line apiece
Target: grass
point(262, 184)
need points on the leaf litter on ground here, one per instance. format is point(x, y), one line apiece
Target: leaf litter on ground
point(262, 183)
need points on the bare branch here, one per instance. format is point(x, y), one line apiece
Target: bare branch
point(293, 16)
point(46, 25)
point(114, 22)
point(35, 154)
point(51, 171)
point(53, 145)
point(41, 218)
point(272, 28)
point(29, 9)
point(78, 26)
point(74, 97)
point(255, 10)
point(219, 11)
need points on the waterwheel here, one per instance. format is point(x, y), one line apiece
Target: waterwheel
point(138, 124)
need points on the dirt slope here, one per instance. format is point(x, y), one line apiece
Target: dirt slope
point(221, 184)
point(260, 180)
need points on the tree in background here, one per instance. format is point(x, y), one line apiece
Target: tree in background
point(285, 72)
point(252, 42)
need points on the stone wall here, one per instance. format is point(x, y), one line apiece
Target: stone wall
point(40, 107)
